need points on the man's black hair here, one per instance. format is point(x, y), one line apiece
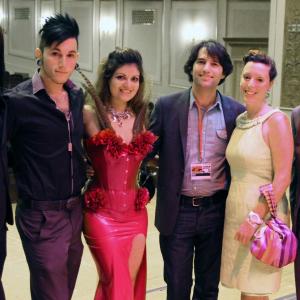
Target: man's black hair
point(57, 29)
point(215, 50)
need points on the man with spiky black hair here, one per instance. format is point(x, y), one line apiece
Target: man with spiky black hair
point(45, 128)
point(6, 216)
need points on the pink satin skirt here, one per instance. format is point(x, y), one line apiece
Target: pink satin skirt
point(109, 237)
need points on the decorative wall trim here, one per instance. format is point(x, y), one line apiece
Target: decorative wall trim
point(233, 41)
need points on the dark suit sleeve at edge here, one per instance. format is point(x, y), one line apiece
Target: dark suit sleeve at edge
point(156, 123)
point(11, 122)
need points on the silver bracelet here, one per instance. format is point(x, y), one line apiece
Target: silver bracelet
point(254, 219)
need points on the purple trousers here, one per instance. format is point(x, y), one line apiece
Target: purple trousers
point(52, 244)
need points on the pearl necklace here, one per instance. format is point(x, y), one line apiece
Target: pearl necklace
point(118, 117)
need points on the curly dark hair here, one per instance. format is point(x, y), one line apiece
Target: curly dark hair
point(108, 67)
point(215, 50)
point(258, 56)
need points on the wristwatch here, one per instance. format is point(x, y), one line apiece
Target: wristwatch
point(254, 219)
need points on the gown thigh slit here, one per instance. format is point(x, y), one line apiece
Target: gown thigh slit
point(136, 255)
point(115, 215)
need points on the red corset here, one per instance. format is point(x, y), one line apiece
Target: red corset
point(116, 165)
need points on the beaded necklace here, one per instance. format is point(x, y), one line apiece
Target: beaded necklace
point(118, 117)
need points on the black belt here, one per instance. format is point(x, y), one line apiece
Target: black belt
point(199, 201)
point(69, 203)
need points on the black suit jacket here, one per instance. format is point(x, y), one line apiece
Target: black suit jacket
point(169, 122)
point(5, 204)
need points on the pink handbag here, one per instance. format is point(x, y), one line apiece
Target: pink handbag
point(273, 243)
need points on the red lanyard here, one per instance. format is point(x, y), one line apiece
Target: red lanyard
point(200, 128)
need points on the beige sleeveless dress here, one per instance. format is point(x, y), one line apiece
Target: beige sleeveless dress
point(250, 163)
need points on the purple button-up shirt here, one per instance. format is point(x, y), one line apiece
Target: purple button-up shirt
point(40, 135)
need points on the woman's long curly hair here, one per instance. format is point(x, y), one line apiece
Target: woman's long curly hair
point(107, 68)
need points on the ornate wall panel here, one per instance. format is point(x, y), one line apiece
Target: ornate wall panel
point(47, 9)
point(83, 12)
point(143, 31)
point(290, 96)
point(21, 23)
point(108, 27)
point(191, 22)
point(248, 18)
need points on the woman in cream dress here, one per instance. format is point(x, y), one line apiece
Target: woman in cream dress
point(260, 151)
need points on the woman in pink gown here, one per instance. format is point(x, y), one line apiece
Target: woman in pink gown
point(115, 219)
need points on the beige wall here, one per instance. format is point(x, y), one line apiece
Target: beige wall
point(165, 43)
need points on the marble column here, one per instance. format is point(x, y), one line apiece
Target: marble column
point(290, 81)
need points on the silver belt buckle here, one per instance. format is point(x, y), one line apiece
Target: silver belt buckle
point(194, 203)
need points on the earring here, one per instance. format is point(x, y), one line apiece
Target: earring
point(39, 62)
point(268, 93)
point(77, 67)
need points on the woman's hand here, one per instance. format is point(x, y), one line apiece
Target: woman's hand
point(245, 232)
point(90, 172)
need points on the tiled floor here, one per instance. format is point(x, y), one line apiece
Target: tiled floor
point(16, 279)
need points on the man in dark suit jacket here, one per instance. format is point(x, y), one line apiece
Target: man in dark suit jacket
point(295, 191)
point(193, 174)
point(5, 204)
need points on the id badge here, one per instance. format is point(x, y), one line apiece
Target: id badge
point(201, 171)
